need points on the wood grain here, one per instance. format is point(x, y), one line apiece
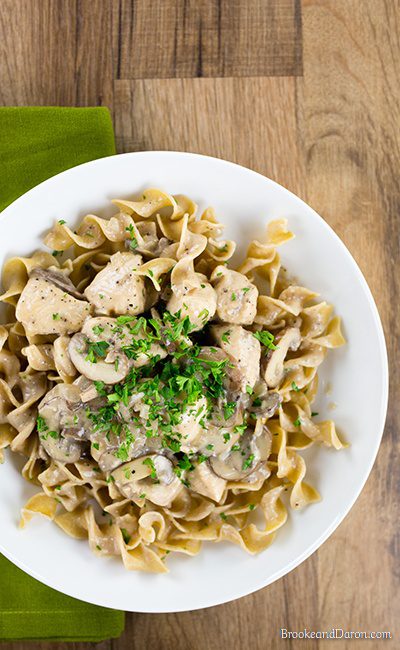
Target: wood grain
point(227, 118)
point(348, 102)
point(207, 38)
point(56, 52)
point(327, 128)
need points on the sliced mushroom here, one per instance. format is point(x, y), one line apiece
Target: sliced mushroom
point(109, 373)
point(45, 308)
point(119, 336)
point(64, 450)
point(204, 481)
point(63, 433)
point(117, 289)
point(60, 280)
point(233, 376)
point(242, 462)
point(265, 403)
point(134, 479)
point(236, 296)
point(241, 346)
point(274, 370)
point(87, 389)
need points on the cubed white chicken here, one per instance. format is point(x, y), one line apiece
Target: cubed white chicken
point(236, 296)
point(117, 289)
point(199, 303)
point(48, 308)
point(243, 348)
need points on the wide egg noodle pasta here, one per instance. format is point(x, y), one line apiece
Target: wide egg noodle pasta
point(178, 251)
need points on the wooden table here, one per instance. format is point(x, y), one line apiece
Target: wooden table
point(308, 94)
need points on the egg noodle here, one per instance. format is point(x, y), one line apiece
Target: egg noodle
point(160, 398)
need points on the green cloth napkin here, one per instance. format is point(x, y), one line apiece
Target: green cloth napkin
point(39, 142)
point(36, 143)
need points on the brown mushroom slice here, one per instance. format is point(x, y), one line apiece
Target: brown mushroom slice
point(60, 280)
point(105, 328)
point(274, 369)
point(59, 436)
point(204, 481)
point(135, 478)
point(64, 450)
point(87, 389)
point(243, 348)
point(233, 376)
point(44, 308)
point(117, 289)
point(243, 461)
point(265, 402)
point(230, 468)
point(109, 373)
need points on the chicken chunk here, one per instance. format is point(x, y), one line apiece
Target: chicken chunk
point(236, 296)
point(44, 308)
point(241, 346)
point(189, 430)
point(199, 303)
point(116, 289)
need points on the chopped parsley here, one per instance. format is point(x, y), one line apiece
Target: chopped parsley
point(246, 289)
point(297, 423)
point(41, 424)
point(97, 329)
point(56, 316)
point(96, 349)
point(251, 506)
point(61, 221)
point(150, 463)
point(133, 243)
point(225, 336)
point(223, 516)
point(314, 413)
point(229, 409)
point(266, 338)
point(56, 253)
point(295, 387)
point(248, 462)
point(240, 428)
point(233, 296)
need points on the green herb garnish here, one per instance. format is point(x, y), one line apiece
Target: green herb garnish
point(266, 338)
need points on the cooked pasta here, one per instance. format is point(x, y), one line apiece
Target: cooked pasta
point(159, 398)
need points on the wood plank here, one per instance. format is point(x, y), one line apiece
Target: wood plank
point(238, 119)
point(207, 38)
point(55, 52)
point(348, 119)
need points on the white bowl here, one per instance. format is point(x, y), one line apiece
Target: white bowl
point(244, 201)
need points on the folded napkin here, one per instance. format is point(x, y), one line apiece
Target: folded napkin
point(36, 143)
